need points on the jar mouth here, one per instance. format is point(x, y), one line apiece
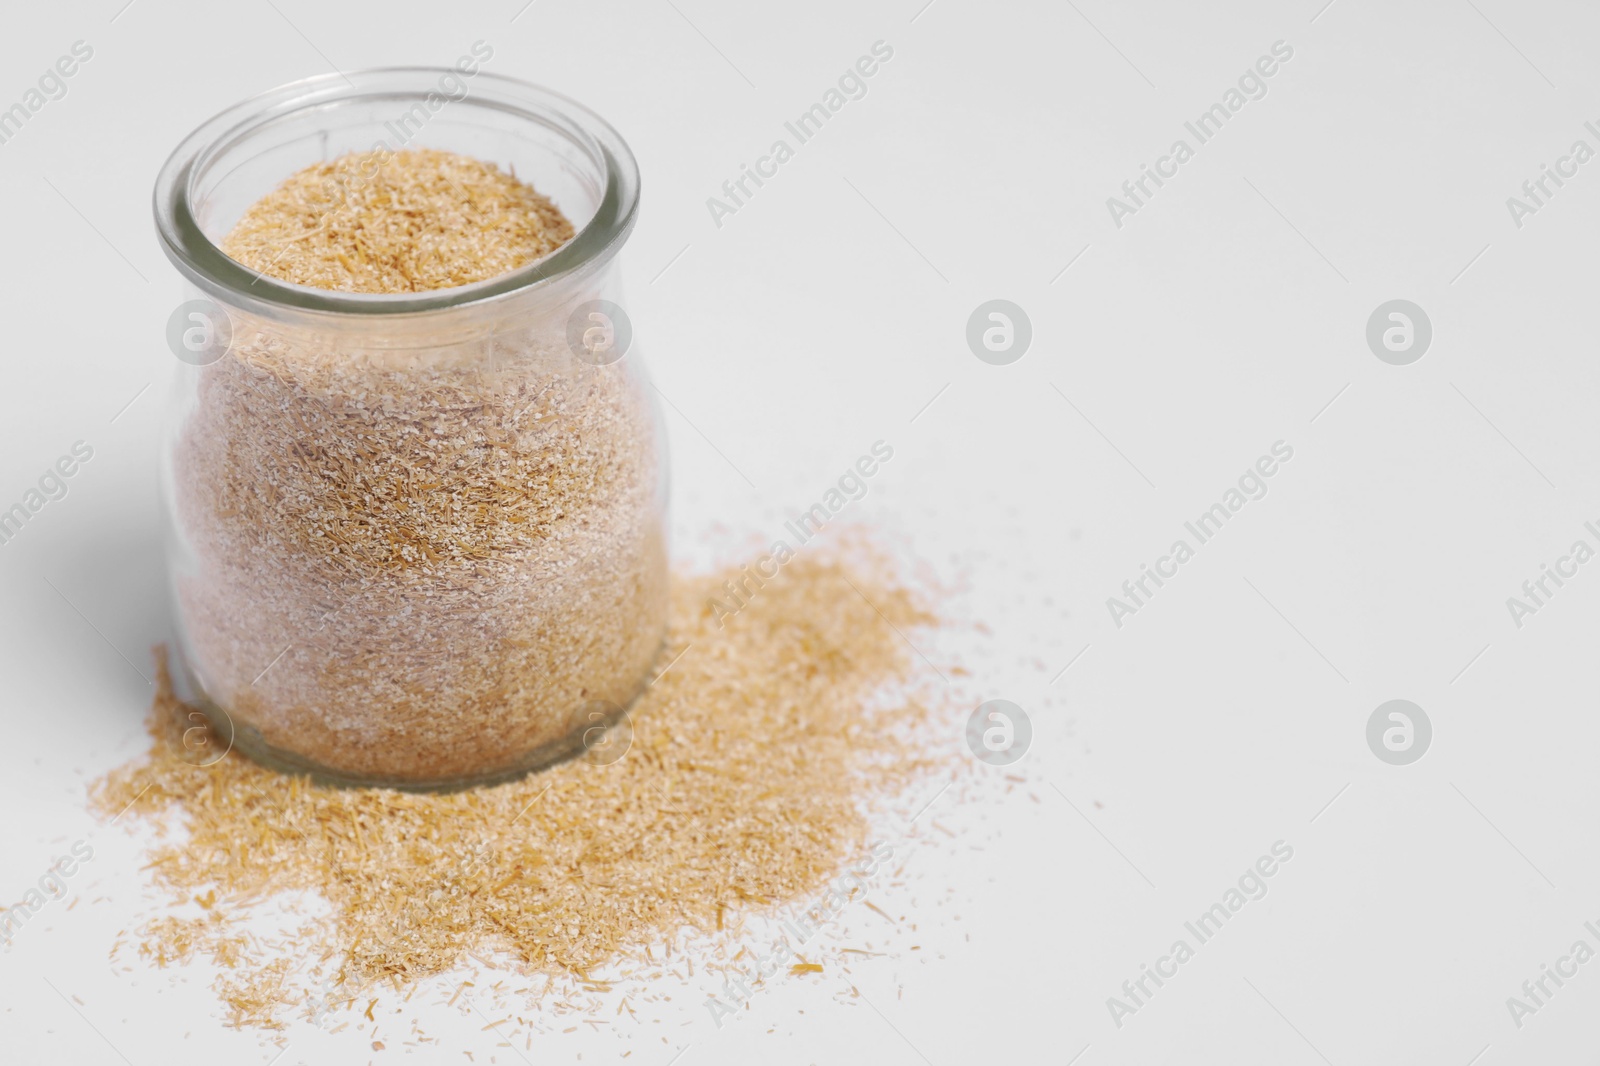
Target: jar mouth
point(591, 141)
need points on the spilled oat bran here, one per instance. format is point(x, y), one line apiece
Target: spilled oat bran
point(759, 756)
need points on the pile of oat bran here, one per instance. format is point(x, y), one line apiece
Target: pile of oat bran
point(758, 756)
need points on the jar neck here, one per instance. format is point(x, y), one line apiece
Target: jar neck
point(559, 146)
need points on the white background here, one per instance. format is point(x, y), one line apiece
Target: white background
point(1223, 317)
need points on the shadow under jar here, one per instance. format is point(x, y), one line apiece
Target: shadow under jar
point(414, 540)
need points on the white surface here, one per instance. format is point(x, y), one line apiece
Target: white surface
point(809, 325)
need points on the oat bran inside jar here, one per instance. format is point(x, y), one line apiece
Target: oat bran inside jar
point(423, 549)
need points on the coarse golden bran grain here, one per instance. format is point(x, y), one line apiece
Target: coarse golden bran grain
point(414, 551)
point(757, 763)
point(388, 222)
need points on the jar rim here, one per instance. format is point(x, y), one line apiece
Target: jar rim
point(199, 258)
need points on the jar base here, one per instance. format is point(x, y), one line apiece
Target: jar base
point(248, 741)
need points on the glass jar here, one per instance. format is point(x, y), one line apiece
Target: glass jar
point(414, 540)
